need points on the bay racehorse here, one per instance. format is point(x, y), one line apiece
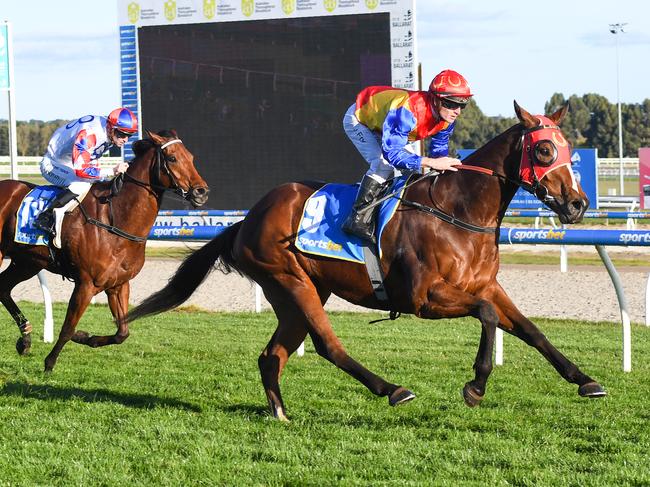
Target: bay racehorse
point(103, 239)
point(433, 268)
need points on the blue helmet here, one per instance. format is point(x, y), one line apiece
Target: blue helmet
point(123, 120)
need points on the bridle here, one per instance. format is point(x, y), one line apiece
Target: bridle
point(531, 171)
point(161, 164)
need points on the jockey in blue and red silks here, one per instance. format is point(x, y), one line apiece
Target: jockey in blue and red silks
point(385, 120)
point(73, 153)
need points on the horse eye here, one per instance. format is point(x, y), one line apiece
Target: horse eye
point(171, 159)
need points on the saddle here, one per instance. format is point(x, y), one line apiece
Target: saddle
point(32, 205)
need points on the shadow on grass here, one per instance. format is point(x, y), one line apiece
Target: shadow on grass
point(48, 393)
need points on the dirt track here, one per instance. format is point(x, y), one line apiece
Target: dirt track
point(585, 292)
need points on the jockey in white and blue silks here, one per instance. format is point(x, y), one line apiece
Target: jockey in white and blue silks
point(73, 153)
point(382, 124)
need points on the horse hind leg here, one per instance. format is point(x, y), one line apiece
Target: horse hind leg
point(299, 312)
point(11, 276)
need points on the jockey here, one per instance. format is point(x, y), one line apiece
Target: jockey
point(72, 158)
point(384, 120)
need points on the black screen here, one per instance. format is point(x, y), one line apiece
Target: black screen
point(261, 103)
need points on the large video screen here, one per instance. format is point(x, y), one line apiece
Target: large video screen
point(261, 103)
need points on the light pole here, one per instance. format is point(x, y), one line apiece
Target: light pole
point(616, 29)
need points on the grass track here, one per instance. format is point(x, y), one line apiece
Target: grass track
point(180, 403)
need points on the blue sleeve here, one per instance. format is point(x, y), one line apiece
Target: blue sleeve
point(439, 146)
point(394, 138)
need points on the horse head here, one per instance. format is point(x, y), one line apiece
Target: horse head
point(545, 167)
point(174, 168)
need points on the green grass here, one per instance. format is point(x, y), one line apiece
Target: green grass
point(181, 403)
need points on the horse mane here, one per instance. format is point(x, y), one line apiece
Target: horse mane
point(140, 147)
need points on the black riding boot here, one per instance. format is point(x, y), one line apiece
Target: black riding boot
point(45, 219)
point(362, 223)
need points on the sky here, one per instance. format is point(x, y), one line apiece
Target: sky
point(67, 52)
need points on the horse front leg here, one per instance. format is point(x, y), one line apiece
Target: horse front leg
point(446, 301)
point(81, 296)
point(515, 323)
point(118, 302)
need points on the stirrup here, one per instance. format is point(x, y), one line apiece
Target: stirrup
point(45, 224)
point(360, 230)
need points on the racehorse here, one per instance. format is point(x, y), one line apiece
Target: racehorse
point(434, 267)
point(103, 239)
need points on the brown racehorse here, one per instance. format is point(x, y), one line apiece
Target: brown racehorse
point(104, 255)
point(433, 269)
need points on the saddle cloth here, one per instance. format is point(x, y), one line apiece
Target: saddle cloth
point(33, 203)
point(319, 232)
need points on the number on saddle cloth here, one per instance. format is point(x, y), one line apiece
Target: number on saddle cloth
point(319, 231)
point(32, 205)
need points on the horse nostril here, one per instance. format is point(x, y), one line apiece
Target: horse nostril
point(579, 204)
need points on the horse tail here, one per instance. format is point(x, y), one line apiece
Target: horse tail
point(191, 273)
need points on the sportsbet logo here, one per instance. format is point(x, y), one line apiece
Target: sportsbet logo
point(247, 7)
point(330, 5)
point(170, 10)
point(209, 8)
point(288, 6)
point(133, 12)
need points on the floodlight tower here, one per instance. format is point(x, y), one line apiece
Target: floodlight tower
point(616, 29)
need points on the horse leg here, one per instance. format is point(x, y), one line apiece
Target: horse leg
point(288, 336)
point(512, 321)
point(446, 300)
point(11, 276)
point(296, 300)
point(79, 301)
point(118, 302)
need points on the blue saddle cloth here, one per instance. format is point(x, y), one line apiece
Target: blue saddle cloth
point(33, 203)
point(320, 233)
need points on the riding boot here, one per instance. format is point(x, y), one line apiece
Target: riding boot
point(361, 221)
point(45, 219)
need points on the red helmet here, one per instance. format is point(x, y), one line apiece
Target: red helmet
point(450, 85)
point(123, 120)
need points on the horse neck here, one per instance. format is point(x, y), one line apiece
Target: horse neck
point(479, 198)
point(144, 199)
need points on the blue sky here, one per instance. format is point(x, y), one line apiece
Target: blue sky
point(66, 52)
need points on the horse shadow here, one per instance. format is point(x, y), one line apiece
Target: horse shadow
point(49, 393)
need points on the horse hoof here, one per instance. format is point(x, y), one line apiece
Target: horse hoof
point(24, 345)
point(400, 396)
point(591, 389)
point(471, 396)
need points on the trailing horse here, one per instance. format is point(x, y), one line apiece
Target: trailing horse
point(103, 239)
point(440, 259)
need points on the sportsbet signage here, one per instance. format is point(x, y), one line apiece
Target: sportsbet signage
point(4, 58)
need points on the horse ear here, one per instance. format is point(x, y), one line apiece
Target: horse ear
point(527, 120)
point(173, 131)
point(559, 115)
point(155, 137)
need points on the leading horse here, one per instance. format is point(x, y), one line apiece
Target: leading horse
point(103, 240)
point(433, 268)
